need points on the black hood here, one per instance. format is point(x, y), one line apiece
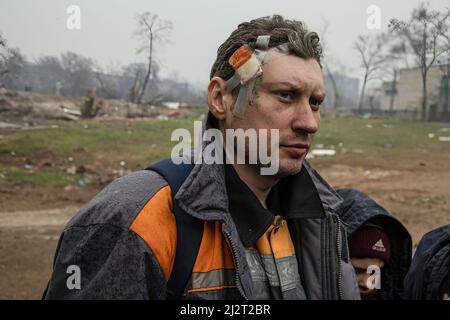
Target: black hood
point(358, 210)
point(430, 266)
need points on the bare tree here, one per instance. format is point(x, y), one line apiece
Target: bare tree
point(444, 30)
point(107, 80)
point(370, 50)
point(11, 63)
point(135, 71)
point(151, 30)
point(78, 72)
point(422, 36)
point(328, 70)
point(50, 73)
point(395, 58)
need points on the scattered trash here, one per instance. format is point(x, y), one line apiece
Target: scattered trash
point(162, 117)
point(82, 183)
point(323, 152)
point(68, 188)
point(446, 139)
point(369, 126)
point(72, 170)
point(431, 135)
point(72, 112)
point(28, 166)
point(12, 153)
point(70, 159)
point(122, 163)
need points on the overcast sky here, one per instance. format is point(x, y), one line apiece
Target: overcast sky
point(200, 26)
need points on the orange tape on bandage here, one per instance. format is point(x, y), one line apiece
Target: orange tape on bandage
point(240, 56)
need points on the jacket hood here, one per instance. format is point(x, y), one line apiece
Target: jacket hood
point(430, 266)
point(358, 210)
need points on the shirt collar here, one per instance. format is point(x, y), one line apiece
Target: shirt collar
point(249, 216)
point(293, 197)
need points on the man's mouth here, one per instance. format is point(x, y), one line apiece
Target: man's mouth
point(297, 149)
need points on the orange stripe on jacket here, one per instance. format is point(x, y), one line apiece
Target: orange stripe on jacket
point(276, 241)
point(214, 252)
point(156, 225)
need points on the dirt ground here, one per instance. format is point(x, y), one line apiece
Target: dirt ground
point(416, 190)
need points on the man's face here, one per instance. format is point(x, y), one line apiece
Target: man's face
point(287, 97)
point(361, 265)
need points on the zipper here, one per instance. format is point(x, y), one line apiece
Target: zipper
point(338, 255)
point(329, 253)
point(232, 246)
point(294, 228)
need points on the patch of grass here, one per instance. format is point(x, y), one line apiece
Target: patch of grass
point(38, 177)
point(140, 143)
point(377, 137)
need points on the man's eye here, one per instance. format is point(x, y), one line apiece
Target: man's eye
point(315, 102)
point(286, 95)
point(359, 270)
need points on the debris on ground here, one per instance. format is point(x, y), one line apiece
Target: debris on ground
point(323, 152)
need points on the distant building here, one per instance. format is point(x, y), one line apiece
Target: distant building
point(388, 96)
point(407, 94)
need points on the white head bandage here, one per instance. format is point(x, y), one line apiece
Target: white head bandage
point(247, 65)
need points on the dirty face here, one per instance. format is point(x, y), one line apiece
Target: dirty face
point(287, 97)
point(361, 265)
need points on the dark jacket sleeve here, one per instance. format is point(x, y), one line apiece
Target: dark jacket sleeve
point(110, 262)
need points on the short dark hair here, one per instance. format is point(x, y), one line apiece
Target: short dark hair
point(303, 43)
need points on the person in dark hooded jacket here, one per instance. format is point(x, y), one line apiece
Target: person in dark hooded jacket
point(364, 219)
point(429, 275)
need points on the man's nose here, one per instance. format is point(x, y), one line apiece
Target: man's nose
point(305, 119)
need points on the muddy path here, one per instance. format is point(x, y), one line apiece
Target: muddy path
point(28, 240)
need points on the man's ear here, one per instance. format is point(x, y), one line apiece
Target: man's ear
point(218, 98)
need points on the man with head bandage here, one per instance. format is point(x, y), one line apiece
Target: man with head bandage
point(209, 230)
